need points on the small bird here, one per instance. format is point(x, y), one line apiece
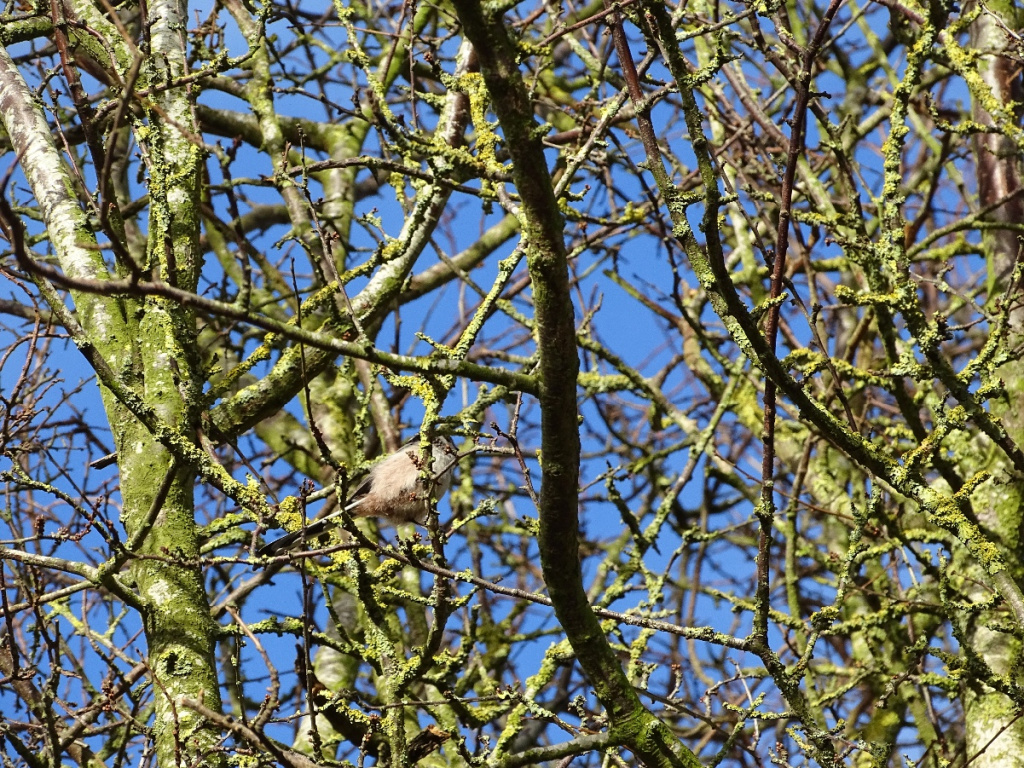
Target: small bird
point(393, 489)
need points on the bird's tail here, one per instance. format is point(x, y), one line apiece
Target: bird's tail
point(307, 536)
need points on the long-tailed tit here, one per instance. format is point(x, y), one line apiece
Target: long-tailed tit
point(393, 489)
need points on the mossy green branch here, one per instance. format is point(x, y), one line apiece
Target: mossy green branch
point(560, 443)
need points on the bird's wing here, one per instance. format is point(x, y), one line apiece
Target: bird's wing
point(360, 491)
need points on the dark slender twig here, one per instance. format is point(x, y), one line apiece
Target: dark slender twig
point(766, 509)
